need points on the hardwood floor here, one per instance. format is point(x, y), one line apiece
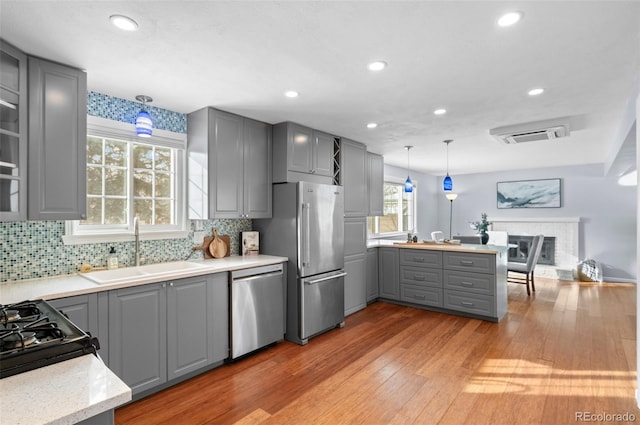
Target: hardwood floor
point(567, 349)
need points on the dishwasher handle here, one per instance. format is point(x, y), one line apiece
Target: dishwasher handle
point(257, 276)
point(261, 271)
point(323, 279)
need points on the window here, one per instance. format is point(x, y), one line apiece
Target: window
point(127, 177)
point(399, 212)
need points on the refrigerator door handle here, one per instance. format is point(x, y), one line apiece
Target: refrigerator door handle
point(335, 276)
point(306, 207)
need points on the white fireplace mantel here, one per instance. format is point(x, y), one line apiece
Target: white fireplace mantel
point(537, 219)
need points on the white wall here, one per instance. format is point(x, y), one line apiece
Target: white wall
point(607, 211)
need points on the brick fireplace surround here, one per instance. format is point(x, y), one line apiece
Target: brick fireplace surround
point(564, 229)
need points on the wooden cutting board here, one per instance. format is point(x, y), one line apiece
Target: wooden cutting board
point(218, 248)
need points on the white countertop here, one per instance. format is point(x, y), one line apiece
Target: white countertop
point(62, 393)
point(69, 285)
point(77, 389)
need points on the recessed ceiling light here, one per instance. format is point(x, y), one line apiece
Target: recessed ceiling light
point(440, 111)
point(125, 23)
point(372, 125)
point(535, 92)
point(377, 66)
point(291, 93)
point(509, 19)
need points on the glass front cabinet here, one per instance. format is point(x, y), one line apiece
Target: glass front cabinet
point(13, 133)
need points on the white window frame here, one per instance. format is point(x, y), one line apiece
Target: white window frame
point(101, 127)
point(397, 180)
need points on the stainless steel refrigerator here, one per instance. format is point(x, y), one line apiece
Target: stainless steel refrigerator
point(308, 228)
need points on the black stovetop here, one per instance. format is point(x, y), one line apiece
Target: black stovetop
point(34, 334)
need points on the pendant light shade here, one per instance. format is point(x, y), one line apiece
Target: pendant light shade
point(408, 184)
point(447, 183)
point(144, 124)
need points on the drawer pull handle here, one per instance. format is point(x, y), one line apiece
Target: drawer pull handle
point(418, 277)
point(419, 297)
point(466, 303)
point(419, 259)
point(466, 263)
point(466, 283)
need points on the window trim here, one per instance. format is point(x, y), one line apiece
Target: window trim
point(102, 127)
point(388, 235)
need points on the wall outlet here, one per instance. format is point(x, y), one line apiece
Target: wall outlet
point(198, 237)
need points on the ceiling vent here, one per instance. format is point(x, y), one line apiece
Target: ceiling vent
point(532, 131)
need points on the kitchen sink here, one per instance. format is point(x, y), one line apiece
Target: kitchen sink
point(140, 273)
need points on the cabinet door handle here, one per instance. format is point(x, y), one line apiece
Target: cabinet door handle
point(466, 283)
point(171, 284)
point(467, 303)
point(419, 297)
point(466, 263)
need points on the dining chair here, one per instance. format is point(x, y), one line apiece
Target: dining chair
point(477, 239)
point(498, 238)
point(527, 268)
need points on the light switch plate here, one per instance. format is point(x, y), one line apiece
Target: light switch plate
point(198, 236)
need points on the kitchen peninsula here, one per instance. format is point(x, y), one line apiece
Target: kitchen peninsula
point(467, 279)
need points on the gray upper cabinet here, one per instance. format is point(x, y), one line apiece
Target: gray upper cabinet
point(229, 166)
point(302, 154)
point(375, 181)
point(57, 141)
point(354, 178)
point(13, 133)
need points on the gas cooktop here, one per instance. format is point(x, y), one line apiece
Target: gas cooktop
point(34, 334)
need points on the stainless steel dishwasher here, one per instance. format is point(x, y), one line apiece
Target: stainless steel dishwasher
point(257, 308)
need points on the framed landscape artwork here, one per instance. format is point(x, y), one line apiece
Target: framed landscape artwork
point(529, 194)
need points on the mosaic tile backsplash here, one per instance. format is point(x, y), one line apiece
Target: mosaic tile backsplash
point(34, 249)
point(123, 110)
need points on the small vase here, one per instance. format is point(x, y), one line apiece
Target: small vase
point(485, 237)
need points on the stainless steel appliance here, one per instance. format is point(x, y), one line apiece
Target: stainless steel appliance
point(34, 334)
point(308, 228)
point(257, 308)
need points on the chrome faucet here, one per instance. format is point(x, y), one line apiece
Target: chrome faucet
point(136, 233)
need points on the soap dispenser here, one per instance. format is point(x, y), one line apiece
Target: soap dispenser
point(112, 262)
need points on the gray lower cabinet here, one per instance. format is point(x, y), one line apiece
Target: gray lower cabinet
point(355, 264)
point(138, 335)
point(470, 282)
point(372, 274)
point(421, 277)
point(57, 141)
point(162, 331)
point(388, 273)
point(82, 310)
point(196, 329)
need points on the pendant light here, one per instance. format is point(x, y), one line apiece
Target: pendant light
point(408, 184)
point(144, 124)
point(447, 183)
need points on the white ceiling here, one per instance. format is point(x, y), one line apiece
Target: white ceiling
point(242, 56)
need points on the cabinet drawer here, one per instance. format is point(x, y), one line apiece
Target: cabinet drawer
point(471, 303)
point(421, 276)
point(421, 295)
point(478, 283)
point(420, 258)
point(479, 263)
